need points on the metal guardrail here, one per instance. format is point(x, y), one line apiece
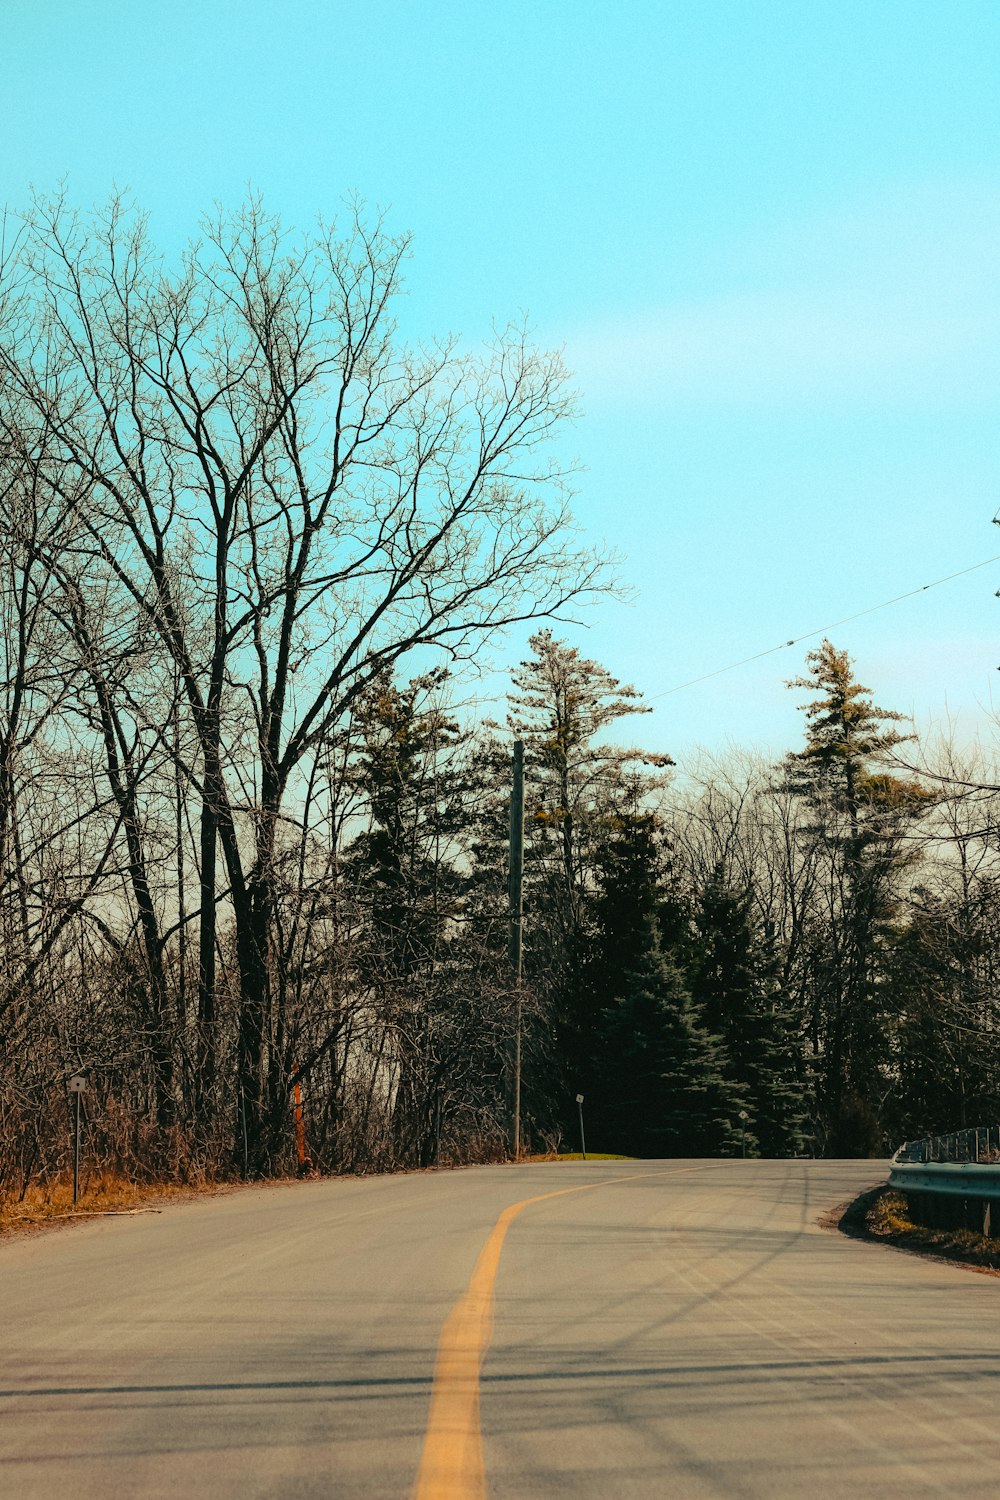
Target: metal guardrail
point(961, 1170)
point(950, 1179)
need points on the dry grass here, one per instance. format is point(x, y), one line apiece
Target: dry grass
point(102, 1193)
point(47, 1204)
point(577, 1156)
point(885, 1217)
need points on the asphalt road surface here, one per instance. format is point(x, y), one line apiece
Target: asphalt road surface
point(595, 1330)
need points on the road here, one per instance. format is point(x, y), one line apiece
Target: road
point(646, 1329)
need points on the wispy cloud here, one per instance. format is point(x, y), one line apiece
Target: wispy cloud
point(897, 303)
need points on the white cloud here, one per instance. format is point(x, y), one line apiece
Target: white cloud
point(895, 303)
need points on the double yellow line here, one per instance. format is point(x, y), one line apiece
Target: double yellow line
point(451, 1465)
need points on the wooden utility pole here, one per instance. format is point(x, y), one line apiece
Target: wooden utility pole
point(516, 940)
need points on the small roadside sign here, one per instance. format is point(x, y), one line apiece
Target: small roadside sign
point(579, 1098)
point(77, 1084)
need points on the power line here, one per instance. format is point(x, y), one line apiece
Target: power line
point(823, 629)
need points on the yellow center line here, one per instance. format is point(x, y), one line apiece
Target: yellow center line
point(451, 1464)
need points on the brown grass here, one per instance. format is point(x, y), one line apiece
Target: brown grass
point(883, 1215)
point(887, 1216)
point(575, 1156)
point(103, 1193)
point(47, 1204)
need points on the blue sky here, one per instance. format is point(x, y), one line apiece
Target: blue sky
point(767, 236)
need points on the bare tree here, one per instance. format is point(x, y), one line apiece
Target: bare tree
point(291, 500)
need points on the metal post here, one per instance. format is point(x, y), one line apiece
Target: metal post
point(516, 938)
point(583, 1138)
point(76, 1146)
point(77, 1084)
point(744, 1117)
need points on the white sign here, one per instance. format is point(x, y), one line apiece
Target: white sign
point(77, 1083)
point(579, 1098)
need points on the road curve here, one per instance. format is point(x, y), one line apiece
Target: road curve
point(644, 1329)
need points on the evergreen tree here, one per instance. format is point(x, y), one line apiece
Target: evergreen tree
point(861, 813)
point(734, 982)
point(670, 1092)
point(404, 872)
point(658, 1082)
point(942, 985)
point(400, 863)
point(621, 917)
point(560, 705)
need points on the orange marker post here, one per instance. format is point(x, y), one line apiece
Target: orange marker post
point(300, 1130)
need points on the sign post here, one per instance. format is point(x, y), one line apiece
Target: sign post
point(583, 1138)
point(77, 1084)
point(744, 1117)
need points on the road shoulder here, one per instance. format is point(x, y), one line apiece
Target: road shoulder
point(879, 1216)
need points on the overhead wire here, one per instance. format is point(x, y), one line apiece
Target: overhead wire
point(823, 629)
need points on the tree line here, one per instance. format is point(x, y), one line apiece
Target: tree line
point(251, 541)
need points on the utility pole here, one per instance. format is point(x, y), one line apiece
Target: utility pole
point(516, 939)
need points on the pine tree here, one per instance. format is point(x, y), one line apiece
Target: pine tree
point(621, 919)
point(671, 1094)
point(560, 705)
point(575, 784)
point(734, 981)
point(861, 813)
point(942, 987)
point(847, 738)
point(404, 873)
point(658, 1083)
point(400, 862)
